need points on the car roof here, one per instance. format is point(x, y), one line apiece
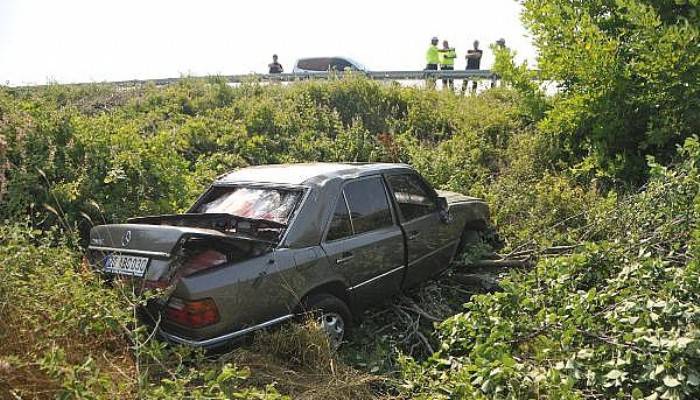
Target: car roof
point(329, 58)
point(324, 58)
point(307, 173)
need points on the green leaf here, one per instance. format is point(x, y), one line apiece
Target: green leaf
point(614, 374)
point(637, 393)
point(671, 381)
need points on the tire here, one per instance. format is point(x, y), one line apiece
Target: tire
point(468, 236)
point(333, 314)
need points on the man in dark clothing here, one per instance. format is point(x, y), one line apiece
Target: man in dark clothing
point(473, 62)
point(275, 67)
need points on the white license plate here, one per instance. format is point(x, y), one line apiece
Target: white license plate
point(126, 265)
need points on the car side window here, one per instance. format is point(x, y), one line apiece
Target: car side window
point(340, 224)
point(369, 207)
point(413, 197)
point(338, 64)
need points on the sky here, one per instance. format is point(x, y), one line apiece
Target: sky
point(69, 41)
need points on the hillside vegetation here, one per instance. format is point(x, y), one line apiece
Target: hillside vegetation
point(608, 166)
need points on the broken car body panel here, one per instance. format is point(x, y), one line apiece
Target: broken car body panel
point(260, 239)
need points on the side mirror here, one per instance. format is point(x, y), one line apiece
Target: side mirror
point(443, 209)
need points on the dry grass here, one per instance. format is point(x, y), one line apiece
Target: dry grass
point(298, 360)
point(24, 343)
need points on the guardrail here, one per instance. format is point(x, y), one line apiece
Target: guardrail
point(292, 77)
point(476, 74)
point(378, 75)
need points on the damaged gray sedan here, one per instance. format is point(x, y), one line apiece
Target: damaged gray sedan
point(265, 244)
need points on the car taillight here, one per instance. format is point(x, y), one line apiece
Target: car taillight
point(195, 314)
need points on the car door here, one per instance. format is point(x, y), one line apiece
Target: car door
point(364, 241)
point(429, 241)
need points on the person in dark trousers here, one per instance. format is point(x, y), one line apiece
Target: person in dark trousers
point(432, 58)
point(275, 67)
point(473, 62)
point(447, 57)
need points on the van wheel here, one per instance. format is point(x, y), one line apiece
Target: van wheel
point(333, 315)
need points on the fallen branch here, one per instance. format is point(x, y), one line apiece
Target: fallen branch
point(505, 263)
point(559, 249)
point(425, 341)
point(518, 254)
point(520, 248)
point(414, 307)
point(545, 251)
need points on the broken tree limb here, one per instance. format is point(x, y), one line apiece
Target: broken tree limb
point(520, 251)
point(518, 254)
point(554, 250)
point(505, 263)
point(414, 307)
point(425, 341)
point(559, 249)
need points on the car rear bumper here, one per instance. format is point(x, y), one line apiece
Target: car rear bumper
point(223, 339)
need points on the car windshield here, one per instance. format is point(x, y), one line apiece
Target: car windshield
point(271, 204)
point(357, 65)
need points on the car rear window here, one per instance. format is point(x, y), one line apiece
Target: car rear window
point(272, 204)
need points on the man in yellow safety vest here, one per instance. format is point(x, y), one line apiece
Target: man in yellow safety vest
point(432, 59)
point(447, 57)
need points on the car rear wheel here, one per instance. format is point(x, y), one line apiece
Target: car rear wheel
point(333, 316)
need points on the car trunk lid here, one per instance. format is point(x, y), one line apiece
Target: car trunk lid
point(162, 253)
point(155, 240)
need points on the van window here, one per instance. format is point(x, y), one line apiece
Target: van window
point(314, 64)
point(339, 64)
point(369, 207)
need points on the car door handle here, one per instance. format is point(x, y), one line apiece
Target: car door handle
point(413, 235)
point(345, 257)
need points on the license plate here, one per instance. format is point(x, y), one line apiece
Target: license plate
point(126, 265)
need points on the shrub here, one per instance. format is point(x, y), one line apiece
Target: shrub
point(65, 334)
point(617, 319)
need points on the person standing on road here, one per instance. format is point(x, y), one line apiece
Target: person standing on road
point(275, 67)
point(432, 58)
point(473, 63)
point(447, 57)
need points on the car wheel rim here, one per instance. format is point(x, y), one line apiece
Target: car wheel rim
point(334, 326)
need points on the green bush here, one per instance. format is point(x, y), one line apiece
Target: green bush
point(85, 155)
point(628, 74)
point(617, 319)
point(65, 334)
